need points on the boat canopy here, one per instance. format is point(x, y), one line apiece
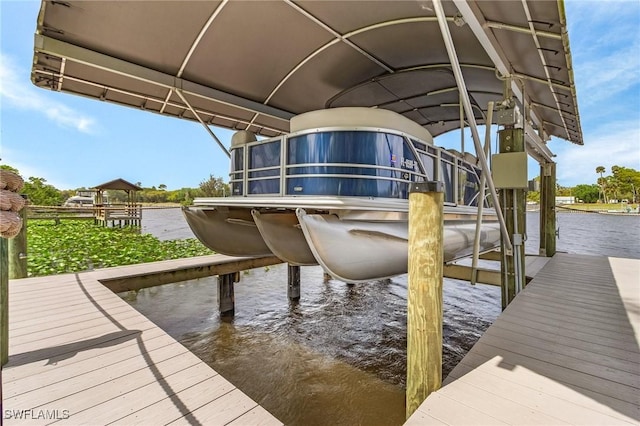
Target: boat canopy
point(255, 65)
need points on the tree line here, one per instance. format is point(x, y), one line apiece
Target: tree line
point(623, 183)
point(42, 193)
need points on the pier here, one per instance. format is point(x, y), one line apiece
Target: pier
point(566, 350)
point(79, 353)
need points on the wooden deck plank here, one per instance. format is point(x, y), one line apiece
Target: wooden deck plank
point(168, 387)
point(566, 348)
point(556, 336)
point(220, 411)
point(165, 410)
point(562, 409)
point(75, 345)
point(496, 366)
point(452, 412)
point(90, 357)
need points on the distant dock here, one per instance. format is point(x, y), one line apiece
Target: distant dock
point(565, 351)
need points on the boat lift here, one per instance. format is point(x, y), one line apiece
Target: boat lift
point(254, 65)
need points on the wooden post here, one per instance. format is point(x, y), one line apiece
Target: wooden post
point(513, 202)
point(293, 283)
point(4, 301)
point(18, 250)
point(547, 209)
point(424, 299)
point(226, 298)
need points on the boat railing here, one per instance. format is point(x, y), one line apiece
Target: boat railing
point(270, 172)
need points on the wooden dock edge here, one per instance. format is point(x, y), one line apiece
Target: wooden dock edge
point(131, 278)
point(108, 362)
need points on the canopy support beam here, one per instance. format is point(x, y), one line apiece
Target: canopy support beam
point(205, 125)
point(104, 62)
point(453, 58)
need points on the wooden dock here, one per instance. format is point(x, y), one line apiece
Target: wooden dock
point(565, 351)
point(79, 354)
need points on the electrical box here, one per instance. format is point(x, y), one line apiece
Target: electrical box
point(509, 170)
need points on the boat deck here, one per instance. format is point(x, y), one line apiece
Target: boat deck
point(565, 351)
point(80, 354)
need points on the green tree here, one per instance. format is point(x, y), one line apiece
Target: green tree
point(600, 170)
point(162, 187)
point(214, 187)
point(587, 193)
point(41, 193)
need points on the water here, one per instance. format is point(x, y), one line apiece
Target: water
point(339, 355)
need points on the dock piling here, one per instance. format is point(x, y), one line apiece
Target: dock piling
point(4, 301)
point(293, 282)
point(18, 250)
point(424, 299)
point(547, 209)
point(226, 297)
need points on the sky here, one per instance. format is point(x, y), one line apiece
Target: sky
point(75, 142)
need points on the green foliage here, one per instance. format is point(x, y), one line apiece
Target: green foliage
point(9, 168)
point(75, 246)
point(587, 193)
point(41, 193)
point(214, 187)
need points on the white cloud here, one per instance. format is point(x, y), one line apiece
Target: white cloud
point(619, 146)
point(605, 42)
point(19, 93)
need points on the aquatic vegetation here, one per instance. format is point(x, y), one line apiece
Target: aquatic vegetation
point(75, 246)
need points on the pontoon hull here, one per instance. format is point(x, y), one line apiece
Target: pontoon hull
point(233, 235)
point(353, 248)
point(282, 234)
point(355, 251)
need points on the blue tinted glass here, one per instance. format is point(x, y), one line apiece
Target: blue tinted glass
point(446, 176)
point(237, 159)
point(351, 147)
point(264, 173)
point(236, 188)
point(344, 186)
point(267, 186)
point(264, 155)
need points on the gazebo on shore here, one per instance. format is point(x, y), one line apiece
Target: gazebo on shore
point(127, 214)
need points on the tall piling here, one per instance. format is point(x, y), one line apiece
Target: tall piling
point(293, 282)
point(18, 250)
point(4, 301)
point(424, 299)
point(226, 296)
point(547, 209)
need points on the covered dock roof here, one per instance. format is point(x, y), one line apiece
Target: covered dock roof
point(254, 65)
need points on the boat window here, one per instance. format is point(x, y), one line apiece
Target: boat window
point(445, 156)
point(385, 156)
point(429, 164)
point(264, 155)
point(347, 186)
point(471, 187)
point(446, 176)
point(237, 159)
point(237, 166)
point(264, 186)
point(236, 188)
point(419, 145)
